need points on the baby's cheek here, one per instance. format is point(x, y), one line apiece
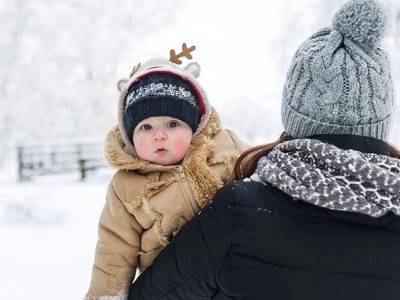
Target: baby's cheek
point(142, 148)
point(181, 146)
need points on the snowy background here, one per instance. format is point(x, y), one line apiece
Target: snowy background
point(60, 61)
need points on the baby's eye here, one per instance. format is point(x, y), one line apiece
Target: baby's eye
point(145, 127)
point(173, 124)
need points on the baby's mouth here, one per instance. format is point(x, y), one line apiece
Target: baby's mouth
point(161, 151)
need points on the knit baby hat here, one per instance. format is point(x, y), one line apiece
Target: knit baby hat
point(161, 94)
point(160, 87)
point(339, 81)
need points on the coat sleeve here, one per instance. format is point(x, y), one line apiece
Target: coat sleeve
point(240, 144)
point(116, 250)
point(189, 267)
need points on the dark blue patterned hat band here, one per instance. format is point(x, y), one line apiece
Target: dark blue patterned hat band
point(161, 94)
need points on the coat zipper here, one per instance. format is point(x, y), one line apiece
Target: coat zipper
point(187, 189)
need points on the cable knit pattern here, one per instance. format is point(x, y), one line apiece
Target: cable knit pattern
point(339, 81)
point(329, 177)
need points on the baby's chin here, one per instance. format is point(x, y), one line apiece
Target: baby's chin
point(167, 161)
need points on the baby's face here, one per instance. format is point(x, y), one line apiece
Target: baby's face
point(162, 140)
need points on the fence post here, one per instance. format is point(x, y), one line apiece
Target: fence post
point(20, 151)
point(82, 168)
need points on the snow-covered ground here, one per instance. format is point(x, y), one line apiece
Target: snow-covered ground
point(48, 233)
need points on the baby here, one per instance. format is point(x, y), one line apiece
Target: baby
point(172, 156)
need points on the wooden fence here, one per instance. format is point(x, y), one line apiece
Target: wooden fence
point(38, 159)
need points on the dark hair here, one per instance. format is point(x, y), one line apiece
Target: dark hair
point(394, 151)
point(247, 162)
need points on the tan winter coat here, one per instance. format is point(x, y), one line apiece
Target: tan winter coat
point(147, 204)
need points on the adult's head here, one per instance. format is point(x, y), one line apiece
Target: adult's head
point(339, 81)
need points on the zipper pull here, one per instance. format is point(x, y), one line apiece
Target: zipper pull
point(182, 173)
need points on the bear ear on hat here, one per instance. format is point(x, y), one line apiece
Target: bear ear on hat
point(121, 83)
point(194, 69)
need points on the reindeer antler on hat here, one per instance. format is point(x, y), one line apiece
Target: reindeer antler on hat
point(173, 57)
point(193, 67)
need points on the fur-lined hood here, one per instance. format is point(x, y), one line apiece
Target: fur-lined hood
point(118, 155)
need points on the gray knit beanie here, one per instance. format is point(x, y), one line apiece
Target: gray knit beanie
point(339, 81)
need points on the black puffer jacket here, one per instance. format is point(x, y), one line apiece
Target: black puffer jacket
point(255, 242)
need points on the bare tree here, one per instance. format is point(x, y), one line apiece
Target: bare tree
point(60, 65)
point(12, 21)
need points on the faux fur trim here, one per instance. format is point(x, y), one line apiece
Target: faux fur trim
point(198, 164)
point(203, 180)
point(118, 155)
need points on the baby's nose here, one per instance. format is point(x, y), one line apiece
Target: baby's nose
point(159, 135)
